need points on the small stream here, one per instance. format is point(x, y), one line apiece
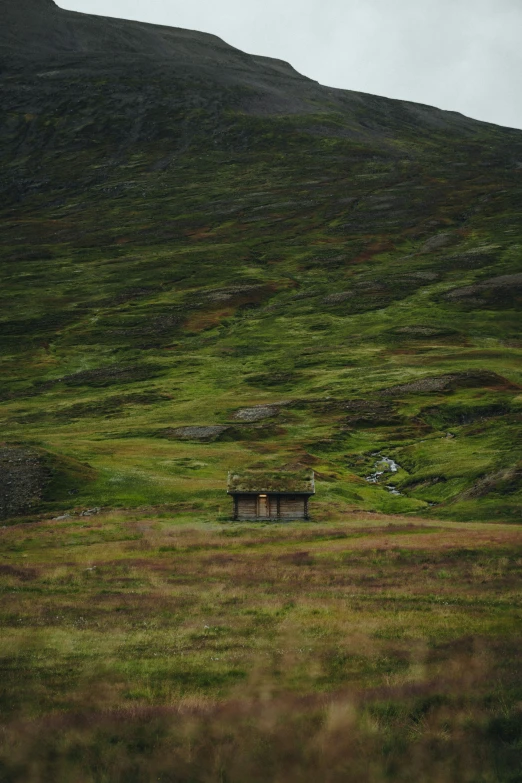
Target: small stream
point(385, 465)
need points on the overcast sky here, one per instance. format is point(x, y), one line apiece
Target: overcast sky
point(464, 55)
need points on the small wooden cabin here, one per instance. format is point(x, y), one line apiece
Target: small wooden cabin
point(273, 496)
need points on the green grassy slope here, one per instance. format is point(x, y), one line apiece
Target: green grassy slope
point(175, 251)
point(306, 272)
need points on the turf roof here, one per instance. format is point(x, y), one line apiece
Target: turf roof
point(301, 482)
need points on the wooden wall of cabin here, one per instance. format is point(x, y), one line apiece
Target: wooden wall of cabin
point(277, 507)
point(246, 506)
point(292, 507)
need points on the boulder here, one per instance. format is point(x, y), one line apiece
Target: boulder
point(257, 413)
point(207, 434)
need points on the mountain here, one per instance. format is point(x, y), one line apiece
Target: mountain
point(211, 261)
point(36, 30)
point(37, 33)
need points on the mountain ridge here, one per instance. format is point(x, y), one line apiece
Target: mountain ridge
point(35, 30)
point(61, 32)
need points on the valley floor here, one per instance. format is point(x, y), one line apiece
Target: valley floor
point(152, 645)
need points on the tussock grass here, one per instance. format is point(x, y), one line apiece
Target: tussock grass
point(166, 646)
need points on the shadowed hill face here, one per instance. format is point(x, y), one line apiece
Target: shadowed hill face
point(33, 32)
point(44, 28)
point(36, 29)
point(210, 263)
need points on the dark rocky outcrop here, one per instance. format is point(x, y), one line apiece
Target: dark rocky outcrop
point(204, 434)
point(436, 243)
point(106, 376)
point(23, 477)
point(258, 413)
point(446, 383)
point(505, 289)
point(30, 478)
point(503, 482)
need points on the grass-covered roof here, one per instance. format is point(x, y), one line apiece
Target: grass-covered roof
point(300, 482)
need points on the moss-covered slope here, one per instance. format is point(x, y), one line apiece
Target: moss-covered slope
point(197, 277)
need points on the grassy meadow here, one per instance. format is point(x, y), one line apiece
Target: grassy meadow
point(166, 646)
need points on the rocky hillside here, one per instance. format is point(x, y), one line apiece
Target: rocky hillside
point(211, 261)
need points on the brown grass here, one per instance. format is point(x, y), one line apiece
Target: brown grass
point(145, 648)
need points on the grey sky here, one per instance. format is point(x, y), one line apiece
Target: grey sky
point(464, 55)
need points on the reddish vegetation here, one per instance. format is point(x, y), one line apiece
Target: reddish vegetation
point(371, 648)
point(374, 250)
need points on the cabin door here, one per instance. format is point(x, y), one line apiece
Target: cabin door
point(262, 506)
